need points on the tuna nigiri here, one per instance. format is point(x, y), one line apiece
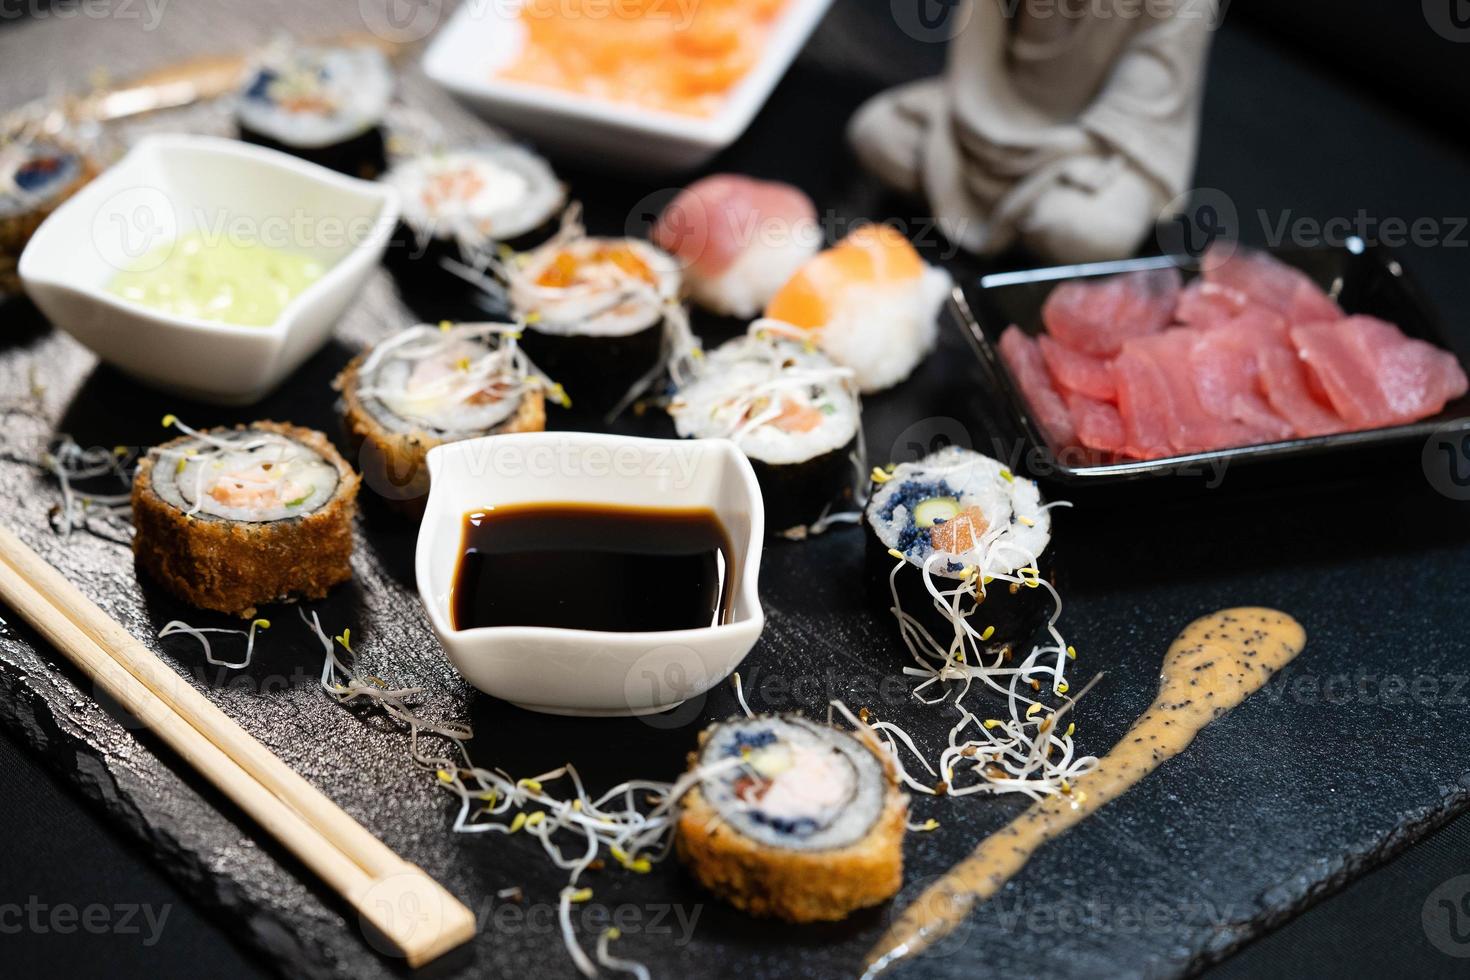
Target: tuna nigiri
point(870, 302)
point(740, 240)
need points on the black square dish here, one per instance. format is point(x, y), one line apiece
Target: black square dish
point(1363, 279)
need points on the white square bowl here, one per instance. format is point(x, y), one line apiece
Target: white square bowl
point(588, 672)
point(168, 186)
point(482, 37)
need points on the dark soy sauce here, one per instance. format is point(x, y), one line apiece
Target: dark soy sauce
point(592, 567)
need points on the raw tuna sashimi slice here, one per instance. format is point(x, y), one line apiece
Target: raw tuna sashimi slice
point(1416, 378)
point(1208, 304)
point(1098, 424)
point(718, 218)
point(1144, 405)
point(1284, 379)
point(1225, 366)
point(1375, 375)
point(1191, 428)
point(1022, 356)
point(1096, 316)
point(1082, 373)
point(1268, 281)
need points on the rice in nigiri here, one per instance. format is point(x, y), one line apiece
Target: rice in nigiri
point(740, 240)
point(870, 302)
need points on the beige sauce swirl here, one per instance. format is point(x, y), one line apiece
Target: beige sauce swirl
point(1216, 663)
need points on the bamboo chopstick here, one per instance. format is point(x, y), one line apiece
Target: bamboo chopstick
point(411, 911)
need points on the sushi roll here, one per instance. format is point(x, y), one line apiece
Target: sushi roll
point(960, 546)
point(794, 413)
point(429, 385)
point(227, 519)
point(461, 204)
point(792, 819)
point(740, 240)
point(37, 173)
point(322, 104)
point(870, 302)
point(602, 314)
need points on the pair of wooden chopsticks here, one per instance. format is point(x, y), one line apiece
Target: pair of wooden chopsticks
point(406, 908)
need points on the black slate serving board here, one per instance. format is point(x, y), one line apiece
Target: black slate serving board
point(1353, 752)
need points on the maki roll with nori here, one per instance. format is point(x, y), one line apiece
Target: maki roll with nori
point(792, 411)
point(793, 819)
point(959, 547)
point(37, 173)
point(430, 385)
point(462, 204)
point(227, 519)
point(602, 315)
point(322, 104)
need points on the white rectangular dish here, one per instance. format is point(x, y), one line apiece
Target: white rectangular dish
point(480, 38)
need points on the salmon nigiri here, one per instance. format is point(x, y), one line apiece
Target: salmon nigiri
point(870, 302)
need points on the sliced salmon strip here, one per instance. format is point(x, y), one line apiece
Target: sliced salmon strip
point(871, 255)
point(796, 417)
point(959, 534)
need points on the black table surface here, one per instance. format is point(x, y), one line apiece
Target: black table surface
point(1284, 138)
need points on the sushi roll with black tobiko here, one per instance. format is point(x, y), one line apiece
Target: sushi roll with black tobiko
point(794, 413)
point(462, 204)
point(430, 385)
point(793, 819)
point(38, 171)
point(959, 546)
point(227, 519)
point(322, 104)
point(602, 315)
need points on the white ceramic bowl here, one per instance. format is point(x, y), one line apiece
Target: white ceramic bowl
point(585, 672)
point(169, 186)
point(482, 37)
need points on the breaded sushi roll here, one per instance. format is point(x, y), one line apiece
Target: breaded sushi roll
point(871, 302)
point(325, 105)
point(227, 519)
point(962, 546)
point(38, 171)
point(792, 819)
point(463, 203)
point(429, 385)
point(794, 414)
point(602, 315)
point(740, 240)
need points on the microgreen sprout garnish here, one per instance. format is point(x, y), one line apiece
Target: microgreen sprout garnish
point(491, 372)
point(740, 695)
point(107, 515)
point(176, 626)
point(605, 957)
point(632, 822)
point(1015, 750)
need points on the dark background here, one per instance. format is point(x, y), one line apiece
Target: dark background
point(1367, 102)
